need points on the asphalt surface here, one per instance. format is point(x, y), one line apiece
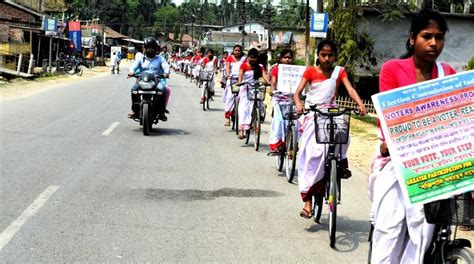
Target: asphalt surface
point(80, 183)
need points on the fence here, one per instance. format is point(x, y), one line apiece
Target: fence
point(16, 64)
point(348, 102)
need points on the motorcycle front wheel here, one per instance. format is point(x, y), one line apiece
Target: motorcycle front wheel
point(146, 120)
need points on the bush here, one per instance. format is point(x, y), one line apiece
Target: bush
point(470, 64)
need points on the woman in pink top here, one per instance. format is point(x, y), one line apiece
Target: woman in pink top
point(401, 234)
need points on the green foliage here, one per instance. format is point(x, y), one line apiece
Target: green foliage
point(470, 64)
point(369, 119)
point(354, 45)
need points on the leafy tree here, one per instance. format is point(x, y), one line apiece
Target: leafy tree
point(355, 46)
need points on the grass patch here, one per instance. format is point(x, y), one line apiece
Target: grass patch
point(366, 119)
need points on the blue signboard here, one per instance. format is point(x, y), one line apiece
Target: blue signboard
point(50, 26)
point(319, 25)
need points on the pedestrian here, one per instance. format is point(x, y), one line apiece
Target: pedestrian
point(323, 80)
point(401, 233)
point(117, 56)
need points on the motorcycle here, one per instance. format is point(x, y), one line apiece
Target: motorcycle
point(151, 90)
point(73, 66)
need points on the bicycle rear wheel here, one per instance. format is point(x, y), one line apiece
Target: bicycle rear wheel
point(333, 198)
point(256, 126)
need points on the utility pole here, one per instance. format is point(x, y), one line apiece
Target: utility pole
point(243, 23)
point(306, 55)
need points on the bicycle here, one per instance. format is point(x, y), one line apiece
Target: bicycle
point(455, 211)
point(256, 93)
point(287, 153)
point(331, 128)
point(206, 79)
point(234, 119)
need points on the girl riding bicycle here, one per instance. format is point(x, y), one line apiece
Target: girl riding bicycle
point(277, 131)
point(232, 69)
point(401, 233)
point(250, 71)
point(323, 79)
point(209, 64)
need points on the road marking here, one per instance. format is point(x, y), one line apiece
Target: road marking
point(110, 129)
point(15, 226)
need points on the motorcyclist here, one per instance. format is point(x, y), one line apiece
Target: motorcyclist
point(156, 64)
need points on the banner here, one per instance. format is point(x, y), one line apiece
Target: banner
point(289, 77)
point(429, 129)
point(75, 34)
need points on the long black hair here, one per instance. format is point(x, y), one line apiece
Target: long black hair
point(421, 21)
point(257, 71)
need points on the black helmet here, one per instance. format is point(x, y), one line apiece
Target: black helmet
point(150, 43)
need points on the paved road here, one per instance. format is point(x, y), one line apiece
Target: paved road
point(80, 182)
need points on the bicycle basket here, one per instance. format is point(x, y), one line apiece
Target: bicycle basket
point(341, 126)
point(287, 109)
point(457, 210)
point(206, 76)
point(260, 91)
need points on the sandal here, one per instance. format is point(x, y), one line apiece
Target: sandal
point(305, 214)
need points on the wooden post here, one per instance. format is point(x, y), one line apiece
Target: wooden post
point(39, 49)
point(30, 66)
point(306, 57)
point(20, 59)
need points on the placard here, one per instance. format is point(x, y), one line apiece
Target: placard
point(289, 77)
point(429, 130)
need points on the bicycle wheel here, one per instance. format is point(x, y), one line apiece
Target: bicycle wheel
point(332, 202)
point(256, 127)
point(460, 255)
point(280, 158)
point(236, 115)
point(289, 155)
point(317, 208)
point(205, 99)
point(208, 97)
point(295, 151)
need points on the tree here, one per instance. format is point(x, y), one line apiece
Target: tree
point(354, 44)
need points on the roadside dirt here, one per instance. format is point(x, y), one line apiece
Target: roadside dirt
point(22, 87)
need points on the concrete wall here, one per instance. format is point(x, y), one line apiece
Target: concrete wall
point(390, 38)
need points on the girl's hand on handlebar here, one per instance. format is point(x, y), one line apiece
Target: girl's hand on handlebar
point(362, 110)
point(299, 108)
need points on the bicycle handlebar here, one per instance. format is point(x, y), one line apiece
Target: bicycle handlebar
point(340, 110)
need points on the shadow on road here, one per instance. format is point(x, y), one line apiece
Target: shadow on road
point(353, 232)
point(200, 195)
point(162, 131)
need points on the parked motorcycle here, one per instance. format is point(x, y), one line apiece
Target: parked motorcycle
point(152, 100)
point(73, 66)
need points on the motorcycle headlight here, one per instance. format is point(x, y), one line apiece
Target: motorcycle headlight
point(146, 85)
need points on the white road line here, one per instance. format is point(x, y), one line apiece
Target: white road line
point(110, 129)
point(15, 226)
